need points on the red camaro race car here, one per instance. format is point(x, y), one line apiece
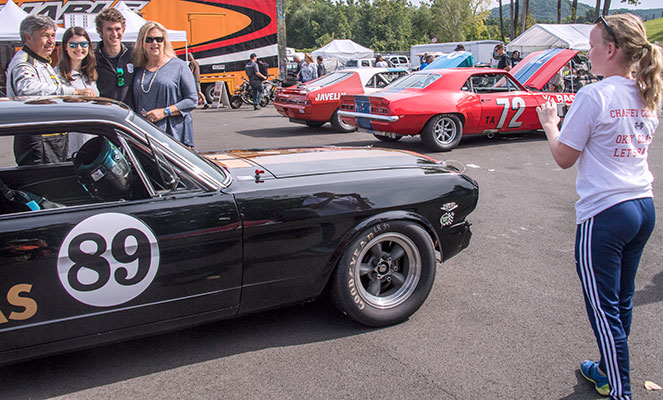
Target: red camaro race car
point(315, 102)
point(444, 105)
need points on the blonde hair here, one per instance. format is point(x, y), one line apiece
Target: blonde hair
point(632, 40)
point(140, 58)
point(308, 58)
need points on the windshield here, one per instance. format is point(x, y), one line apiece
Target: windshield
point(330, 79)
point(169, 142)
point(418, 81)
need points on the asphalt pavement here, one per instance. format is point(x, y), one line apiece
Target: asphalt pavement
point(505, 318)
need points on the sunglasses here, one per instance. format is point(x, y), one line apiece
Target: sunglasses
point(150, 39)
point(83, 45)
point(120, 77)
point(607, 28)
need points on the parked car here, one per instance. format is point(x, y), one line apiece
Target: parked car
point(139, 233)
point(442, 105)
point(398, 61)
point(360, 63)
point(315, 103)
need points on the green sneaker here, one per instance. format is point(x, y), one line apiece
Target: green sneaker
point(590, 370)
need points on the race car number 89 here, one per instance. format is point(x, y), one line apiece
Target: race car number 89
point(108, 259)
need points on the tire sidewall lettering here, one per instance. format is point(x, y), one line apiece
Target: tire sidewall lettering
point(362, 242)
point(108, 282)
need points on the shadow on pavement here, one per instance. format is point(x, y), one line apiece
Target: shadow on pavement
point(76, 371)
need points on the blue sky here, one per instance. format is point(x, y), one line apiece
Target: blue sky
point(614, 4)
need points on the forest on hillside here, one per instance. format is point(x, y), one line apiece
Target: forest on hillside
point(396, 25)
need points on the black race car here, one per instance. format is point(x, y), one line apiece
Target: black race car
point(136, 233)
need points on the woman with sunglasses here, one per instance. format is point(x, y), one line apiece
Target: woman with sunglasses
point(164, 87)
point(78, 69)
point(608, 131)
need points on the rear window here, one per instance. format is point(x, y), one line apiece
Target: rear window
point(332, 79)
point(351, 63)
point(418, 81)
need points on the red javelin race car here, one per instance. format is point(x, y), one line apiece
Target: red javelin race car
point(315, 102)
point(443, 105)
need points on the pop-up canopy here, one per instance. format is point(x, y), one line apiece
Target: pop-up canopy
point(547, 36)
point(343, 50)
point(11, 16)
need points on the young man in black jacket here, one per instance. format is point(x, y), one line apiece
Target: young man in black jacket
point(114, 60)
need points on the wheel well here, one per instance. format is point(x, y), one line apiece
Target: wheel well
point(460, 116)
point(350, 236)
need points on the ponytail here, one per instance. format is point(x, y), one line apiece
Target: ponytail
point(649, 76)
point(631, 35)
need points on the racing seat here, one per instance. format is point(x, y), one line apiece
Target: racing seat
point(12, 201)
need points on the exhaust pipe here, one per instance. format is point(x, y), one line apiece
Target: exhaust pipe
point(491, 135)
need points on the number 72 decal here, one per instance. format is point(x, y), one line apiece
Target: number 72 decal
point(518, 104)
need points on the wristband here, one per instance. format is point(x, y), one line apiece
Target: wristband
point(167, 111)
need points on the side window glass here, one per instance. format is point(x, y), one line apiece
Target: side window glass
point(365, 63)
point(467, 86)
point(159, 171)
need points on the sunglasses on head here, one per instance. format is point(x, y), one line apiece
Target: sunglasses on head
point(150, 39)
point(83, 45)
point(607, 28)
point(120, 77)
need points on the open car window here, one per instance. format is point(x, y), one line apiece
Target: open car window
point(96, 166)
point(491, 83)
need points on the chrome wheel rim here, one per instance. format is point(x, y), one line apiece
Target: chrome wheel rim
point(445, 130)
point(389, 270)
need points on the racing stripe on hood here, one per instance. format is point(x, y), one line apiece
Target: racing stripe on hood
point(528, 70)
point(363, 105)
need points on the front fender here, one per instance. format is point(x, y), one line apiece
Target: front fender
point(353, 233)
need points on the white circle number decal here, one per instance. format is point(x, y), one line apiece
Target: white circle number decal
point(108, 259)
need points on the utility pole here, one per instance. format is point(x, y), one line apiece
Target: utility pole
point(280, 38)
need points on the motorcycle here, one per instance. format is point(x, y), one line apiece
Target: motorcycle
point(245, 95)
point(270, 87)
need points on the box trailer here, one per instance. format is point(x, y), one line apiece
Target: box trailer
point(482, 50)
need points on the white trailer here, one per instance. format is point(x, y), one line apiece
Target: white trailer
point(482, 50)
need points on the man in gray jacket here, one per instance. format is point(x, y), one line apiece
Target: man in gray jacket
point(30, 74)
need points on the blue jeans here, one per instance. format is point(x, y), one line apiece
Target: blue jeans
point(608, 250)
point(257, 91)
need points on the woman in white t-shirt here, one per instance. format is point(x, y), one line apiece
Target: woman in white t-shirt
point(607, 133)
point(78, 69)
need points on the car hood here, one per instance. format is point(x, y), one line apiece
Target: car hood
point(285, 163)
point(535, 70)
point(457, 59)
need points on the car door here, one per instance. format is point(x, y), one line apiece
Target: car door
point(505, 106)
point(94, 266)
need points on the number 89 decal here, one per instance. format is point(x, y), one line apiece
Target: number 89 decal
point(108, 259)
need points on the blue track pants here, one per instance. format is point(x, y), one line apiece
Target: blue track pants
point(608, 250)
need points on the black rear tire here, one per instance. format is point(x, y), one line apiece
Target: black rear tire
point(442, 133)
point(339, 125)
point(385, 274)
point(235, 101)
point(264, 100)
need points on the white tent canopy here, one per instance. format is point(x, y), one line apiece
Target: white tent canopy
point(133, 24)
point(11, 16)
point(546, 36)
point(342, 50)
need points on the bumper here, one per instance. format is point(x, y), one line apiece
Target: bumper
point(373, 117)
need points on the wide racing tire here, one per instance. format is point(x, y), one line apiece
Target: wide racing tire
point(339, 125)
point(385, 274)
point(442, 133)
point(315, 124)
point(235, 101)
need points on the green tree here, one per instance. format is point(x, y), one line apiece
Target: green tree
point(459, 20)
